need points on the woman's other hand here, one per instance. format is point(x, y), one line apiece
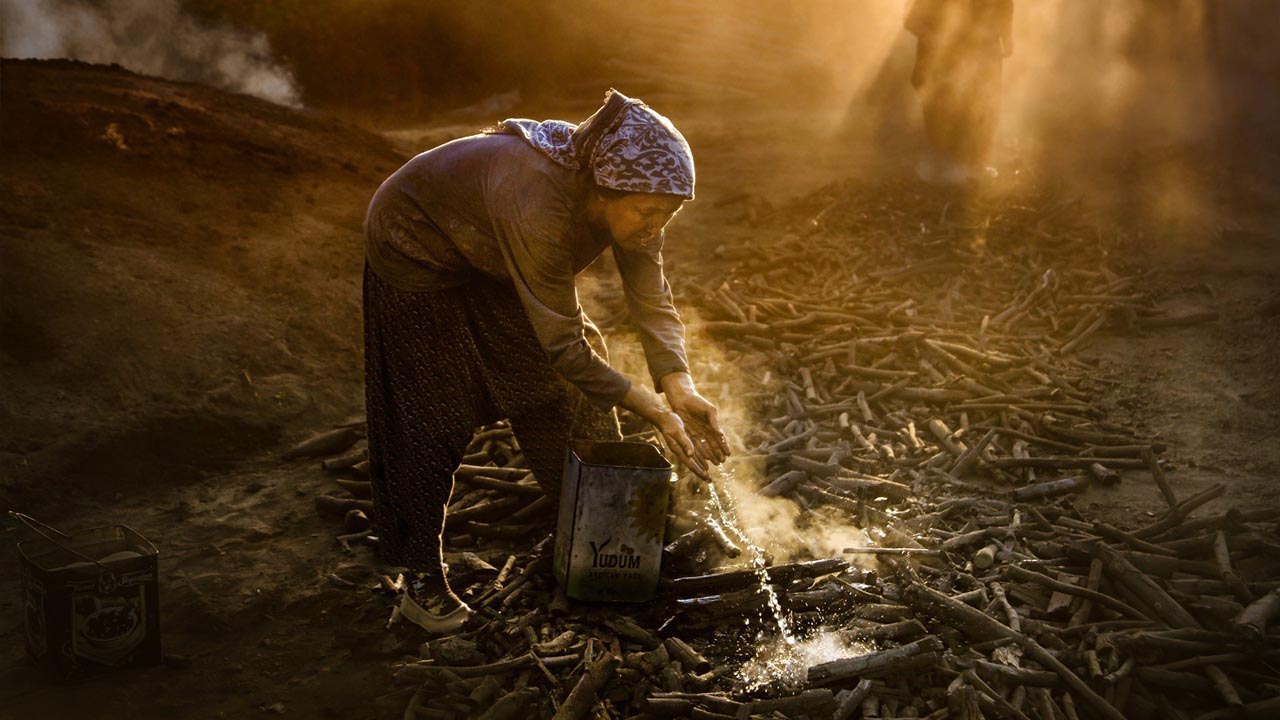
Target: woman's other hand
point(670, 425)
point(673, 432)
point(699, 416)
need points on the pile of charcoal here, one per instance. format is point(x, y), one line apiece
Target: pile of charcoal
point(927, 387)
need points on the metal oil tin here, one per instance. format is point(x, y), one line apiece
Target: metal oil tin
point(613, 509)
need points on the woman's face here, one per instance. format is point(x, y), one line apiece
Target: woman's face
point(635, 220)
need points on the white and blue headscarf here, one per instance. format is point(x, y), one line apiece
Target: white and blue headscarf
point(626, 145)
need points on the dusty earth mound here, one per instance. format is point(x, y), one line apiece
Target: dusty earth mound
point(179, 274)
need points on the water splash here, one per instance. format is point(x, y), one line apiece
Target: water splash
point(720, 512)
point(773, 661)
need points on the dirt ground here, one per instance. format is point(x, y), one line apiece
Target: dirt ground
point(180, 300)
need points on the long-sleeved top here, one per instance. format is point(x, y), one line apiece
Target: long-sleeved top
point(492, 205)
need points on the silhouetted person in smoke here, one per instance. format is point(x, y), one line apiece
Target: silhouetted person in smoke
point(960, 47)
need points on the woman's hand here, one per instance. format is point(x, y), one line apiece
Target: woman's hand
point(699, 416)
point(672, 429)
point(646, 404)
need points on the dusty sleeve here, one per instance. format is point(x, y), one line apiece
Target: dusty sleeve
point(652, 311)
point(531, 234)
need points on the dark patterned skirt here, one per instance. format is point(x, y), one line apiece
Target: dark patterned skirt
point(439, 364)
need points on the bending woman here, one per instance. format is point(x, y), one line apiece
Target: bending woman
point(471, 313)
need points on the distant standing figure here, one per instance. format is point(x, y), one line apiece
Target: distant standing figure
point(960, 48)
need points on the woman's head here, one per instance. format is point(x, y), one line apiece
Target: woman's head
point(637, 150)
point(625, 145)
point(641, 167)
point(634, 220)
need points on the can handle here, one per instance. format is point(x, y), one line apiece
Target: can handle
point(32, 524)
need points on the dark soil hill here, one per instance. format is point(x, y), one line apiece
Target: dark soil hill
point(179, 274)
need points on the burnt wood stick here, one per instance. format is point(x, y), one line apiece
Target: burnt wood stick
point(882, 612)
point(1091, 437)
point(738, 579)
point(698, 713)
point(501, 532)
point(465, 472)
point(330, 505)
point(1219, 659)
point(540, 506)
point(916, 552)
point(1251, 624)
point(985, 557)
point(1233, 519)
point(1180, 681)
point(1129, 451)
point(688, 543)
point(491, 510)
point(1193, 546)
point(1056, 445)
point(1166, 566)
point(562, 642)
point(359, 489)
point(784, 483)
point(1066, 463)
point(714, 702)
point(848, 701)
point(997, 672)
point(875, 487)
point(1158, 641)
point(1217, 609)
point(1051, 489)
point(1261, 710)
point(511, 706)
point(876, 662)
point(1085, 334)
point(999, 703)
point(345, 462)
point(585, 694)
point(330, 442)
point(1106, 531)
point(981, 627)
point(421, 671)
point(946, 438)
point(717, 533)
point(493, 433)
point(631, 630)
point(476, 458)
point(813, 467)
point(1014, 621)
point(810, 702)
point(1196, 586)
point(688, 657)
point(995, 360)
point(1103, 475)
point(1123, 572)
point(962, 701)
point(1222, 555)
point(1177, 514)
point(903, 630)
point(508, 487)
point(1020, 573)
point(970, 456)
point(977, 597)
point(1046, 708)
point(1157, 474)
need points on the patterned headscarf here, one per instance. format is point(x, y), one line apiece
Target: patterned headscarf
point(626, 145)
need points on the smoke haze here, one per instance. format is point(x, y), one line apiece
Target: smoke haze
point(152, 37)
